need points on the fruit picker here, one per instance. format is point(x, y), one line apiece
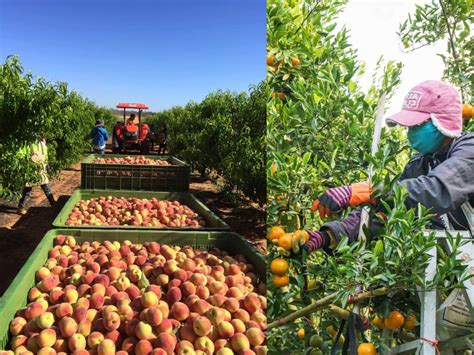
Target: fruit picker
point(39, 155)
point(440, 176)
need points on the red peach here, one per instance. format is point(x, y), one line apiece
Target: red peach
point(188, 288)
point(76, 342)
point(173, 295)
point(225, 330)
point(204, 344)
point(238, 325)
point(17, 325)
point(94, 339)
point(239, 342)
point(203, 292)
point(67, 326)
point(166, 326)
point(242, 314)
point(202, 326)
point(186, 332)
point(106, 347)
point(143, 347)
point(179, 311)
point(154, 316)
point(167, 342)
point(129, 344)
point(149, 300)
point(34, 309)
point(64, 310)
point(201, 307)
point(255, 336)
point(46, 338)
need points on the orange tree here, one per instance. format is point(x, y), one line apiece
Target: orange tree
point(319, 133)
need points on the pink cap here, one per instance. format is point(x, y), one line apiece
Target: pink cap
point(433, 100)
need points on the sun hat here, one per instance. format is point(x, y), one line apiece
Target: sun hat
point(433, 100)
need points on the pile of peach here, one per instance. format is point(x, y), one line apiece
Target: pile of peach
point(131, 160)
point(119, 211)
point(146, 298)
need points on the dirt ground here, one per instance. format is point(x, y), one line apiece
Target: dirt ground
point(19, 235)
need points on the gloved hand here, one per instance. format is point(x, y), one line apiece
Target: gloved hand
point(317, 240)
point(336, 199)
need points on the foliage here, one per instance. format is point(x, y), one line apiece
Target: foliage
point(33, 106)
point(224, 134)
point(448, 20)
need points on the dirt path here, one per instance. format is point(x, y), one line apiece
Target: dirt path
point(19, 235)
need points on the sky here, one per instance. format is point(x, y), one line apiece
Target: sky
point(373, 26)
point(158, 52)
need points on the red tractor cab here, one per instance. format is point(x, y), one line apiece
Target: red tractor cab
point(134, 134)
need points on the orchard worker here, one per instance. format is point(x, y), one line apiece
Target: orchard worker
point(99, 137)
point(440, 176)
point(117, 138)
point(39, 155)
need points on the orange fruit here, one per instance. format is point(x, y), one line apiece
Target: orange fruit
point(270, 59)
point(280, 281)
point(378, 322)
point(303, 233)
point(467, 111)
point(279, 266)
point(366, 349)
point(275, 233)
point(285, 241)
point(295, 61)
point(281, 96)
point(300, 333)
point(409, 323)
point(274, 168)
point(394, 321)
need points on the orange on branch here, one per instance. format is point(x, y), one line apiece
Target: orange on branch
point(279, 266)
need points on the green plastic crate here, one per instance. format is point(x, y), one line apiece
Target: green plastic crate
point(16, 296)
point(174, 177)
point(212, 220)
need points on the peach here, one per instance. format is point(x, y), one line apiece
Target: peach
point(202, 292)
point(252, 303)
point(91, 314)
point(79, 314)
point(114, 335)
point(225, 329)
point(168, 252)
point(174, 283)
point(202, 326)
point(33, 294)
point(173, 295)
point(84, 327)
point(129, 344)
point(185, 347)
point(154, 316)
point(96, 301)
point(45, 320)
point(252, 324)
point(64, 310)
point(130, 327)
point(231, 304)
point(83, 290)
point(113, 273)
point(217, 300)
point(181, 275)
point(179, 311)
point(110, 290)
point(133, 291)
point(186, 332)
point(217, 287)
point(44, 351)
point(34, 309)
point(242, 314)
point(17, 341)
point(166, 326)
point(17, 325)
point(224, 351)
point(82, 302)
point(155, 289)
point(238, 325)
point(188, 288)
point(221, 343)
point(98, 288)
point(260, 318)
point(111, 321)
point(261, 350)
point(67, 326)
point(162, 279)
point(76, 342)
point(201, 307)
point(255, 336)
point(235, 292)
point(143, 331)
point(198, 279)
point(123, 283)
point(32, 344)
point(149, 299)
point(143, 347)
point(94, 339)
point(46, 338)
point(102, 279)
point(216, 315)
point(188, 264)
point(48, 283)
point(61, 345)
point(31, 328)
point(167, 342)
point(164, 308)
point(205, 344)
point(239, 342)
point(106, 347)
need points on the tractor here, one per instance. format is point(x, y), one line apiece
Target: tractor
point(132, 134)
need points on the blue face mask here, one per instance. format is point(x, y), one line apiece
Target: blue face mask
point(425, 138)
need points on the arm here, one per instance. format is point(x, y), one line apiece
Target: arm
point(106, 134)
point(447, 186)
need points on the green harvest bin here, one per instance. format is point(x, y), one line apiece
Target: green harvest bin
point(174, 177)
point(16, 296)
point(212, 220)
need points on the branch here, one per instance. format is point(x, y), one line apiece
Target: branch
point(448, 27)
point(324, 302)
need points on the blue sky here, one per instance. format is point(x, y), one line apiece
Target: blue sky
point(162, 53)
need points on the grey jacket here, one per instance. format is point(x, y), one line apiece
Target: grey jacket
point(442, 182)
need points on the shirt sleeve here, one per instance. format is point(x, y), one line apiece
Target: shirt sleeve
point(448, 185)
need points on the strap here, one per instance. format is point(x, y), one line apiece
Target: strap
point(468, 211)
point(338, 336)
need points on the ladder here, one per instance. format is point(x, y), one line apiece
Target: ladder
point(428, 300)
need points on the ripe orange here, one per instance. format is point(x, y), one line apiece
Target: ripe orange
point(285, 241)
point(301, 333)
point(295, 61)
point(394, 321)
point(275, 232)
point(409, 323)
point(303, 233)
point(366, 349)
point(270, 59)
point(281, 96)
point(279, 266)
point(467, 111)
point(280, 281)
point(274, 168)
point(378, 322)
